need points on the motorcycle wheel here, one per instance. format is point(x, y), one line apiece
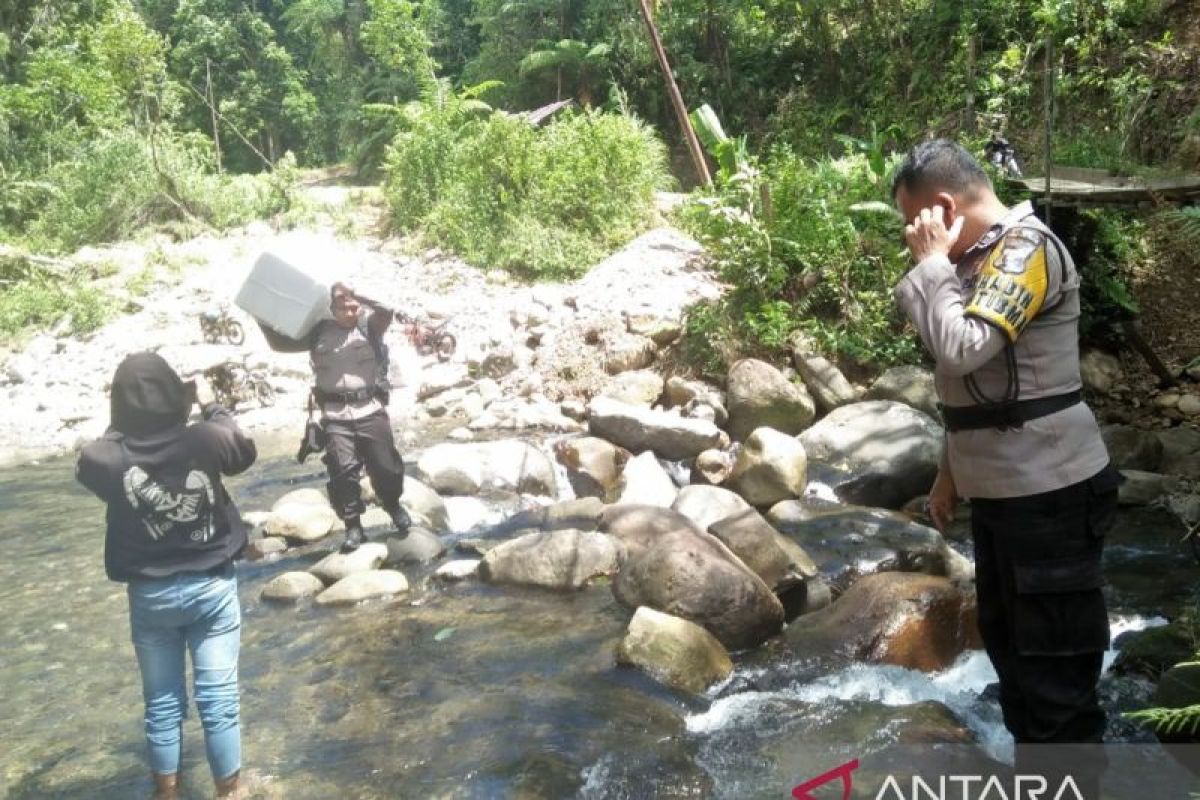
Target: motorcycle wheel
point(446, 344)
point(234, 332)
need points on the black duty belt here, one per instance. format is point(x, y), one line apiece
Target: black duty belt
point(1005, 415)
point(356, 396)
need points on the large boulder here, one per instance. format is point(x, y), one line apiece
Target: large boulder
point(425, 504)
point(704, 505)
point(919, 622)
point(551, 559)
point(1131, 448)
point(882, 453)
point(291, 587)
point(759, 395)
point(693, 575)
point(697, 400)
point(468, 468)
point(1181, 452)
point(628, 351)
point(639, 429)
point(771, 466)
point(674, 651)
point(912, 386)
point(850, 541)
point(776, 559)
point(582, 514)
point(420, 546)
point(640, 387)
point(593, 465)
point(645, 482)
point(335, 566)
point(638, 527)
point(825, 382)
point(301, 522)
point(364, 586)
point(1143, 488)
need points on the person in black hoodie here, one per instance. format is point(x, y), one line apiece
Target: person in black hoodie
point(172, 536)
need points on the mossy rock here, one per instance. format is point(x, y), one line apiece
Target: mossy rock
point(1155, 650)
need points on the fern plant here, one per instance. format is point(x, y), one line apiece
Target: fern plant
point(1182, 224)
point(1169, 721)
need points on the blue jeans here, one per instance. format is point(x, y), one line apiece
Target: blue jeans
point(199, 613)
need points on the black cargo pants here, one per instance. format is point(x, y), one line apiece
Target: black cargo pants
point(352, 445)
point(1041, 612)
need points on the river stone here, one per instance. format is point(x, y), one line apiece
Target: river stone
point(759, 395)
point(364, 586)
point(639, 429)
point(706, 408)
point(255, 519)
point(1181, 452)
point(912, 386)
point(921, 622)
point(825, 382)
point(1099, 371)
point(335, 566)
point(440, 378)
point(266, 547)
point(421, 501)
point(658, 329)
point(680, 392)
point(593, 465)
point(307, 496)
point(551, 559)
point(674, 651)
point(582, 513)
point(460, 569)
point(712, 467)
point(704, 505)
point(852, 541)
point(1143, 488)
point(645, 482)
point(693, 575)
point(626, 351)
point(1189, 405)
point(1131, 448)
point(775, 558)
point(301, 523)
point(291, 587)
point(420, 546)
point(638, 527)
point(1153, 651)
point(640, 387)
point(466, 469)
point(885, 452)
point(771, 466)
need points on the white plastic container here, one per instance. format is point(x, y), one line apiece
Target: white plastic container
point(284, 296)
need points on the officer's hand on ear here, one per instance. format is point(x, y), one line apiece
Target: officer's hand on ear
point(927, 234)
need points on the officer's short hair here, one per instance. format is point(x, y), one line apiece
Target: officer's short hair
point(942, 165)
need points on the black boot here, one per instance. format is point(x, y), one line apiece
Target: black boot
point(400, 520)
point(354, 536)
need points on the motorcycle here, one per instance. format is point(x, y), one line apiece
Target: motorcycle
point(233, 382)
point(428, 339)
point(217, 325)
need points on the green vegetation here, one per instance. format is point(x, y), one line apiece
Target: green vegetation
point(542, 203)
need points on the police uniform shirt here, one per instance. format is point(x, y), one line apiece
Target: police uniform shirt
point(344, 361)
point(963, 319)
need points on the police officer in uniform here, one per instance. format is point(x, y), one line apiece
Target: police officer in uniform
point(349, 362)
point(995, 298)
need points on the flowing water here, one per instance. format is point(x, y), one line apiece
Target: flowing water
point(457, 692)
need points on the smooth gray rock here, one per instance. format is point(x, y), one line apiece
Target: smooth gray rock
point(308, 496)
point(1143, 488)
point(779, 561)
point(420, 546)
point(301, 523)
point(639, 429)
point(1131, 448)
point(884, 453)
point(825, 382)
point(645, 482)
point(1100, 371)
point(593, 465)
point(771, 466)
point(912, 386)
point(467, 469)
point(704, 505)
point(551, 559)
point(364, 586)
point(759, 395)
point(640, 387)
point(291, 587)
point(335, 566)
point(460, 569)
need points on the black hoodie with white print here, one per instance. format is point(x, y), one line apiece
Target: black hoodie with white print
point(168, 511)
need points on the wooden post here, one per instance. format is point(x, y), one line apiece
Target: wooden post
point(212, 105)
point(676, 99)
point(1048, 84)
